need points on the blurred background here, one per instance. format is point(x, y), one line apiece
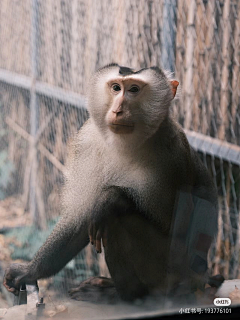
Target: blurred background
point(48, 51)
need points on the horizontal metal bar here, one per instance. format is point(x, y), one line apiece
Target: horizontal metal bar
point(212, 146)
point(221, 149)
point(64, 96)
point(15, 79)
point(41, 88)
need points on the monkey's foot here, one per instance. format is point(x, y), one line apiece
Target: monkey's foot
point(95, 289)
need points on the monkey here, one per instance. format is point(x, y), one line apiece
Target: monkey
point(135, 186)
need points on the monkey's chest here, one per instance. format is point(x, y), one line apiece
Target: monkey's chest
point(131, 177)
point(150, 189)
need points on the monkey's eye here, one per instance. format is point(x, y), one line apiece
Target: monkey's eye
point(134, 89)
point(116, 87)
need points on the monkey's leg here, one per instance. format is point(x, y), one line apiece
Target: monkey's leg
point(114, 203)
point(95, 289)
point(136, 254)
point(136, 250)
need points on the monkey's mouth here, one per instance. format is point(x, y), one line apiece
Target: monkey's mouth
point(121, 128)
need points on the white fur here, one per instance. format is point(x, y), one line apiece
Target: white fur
point(121, 160)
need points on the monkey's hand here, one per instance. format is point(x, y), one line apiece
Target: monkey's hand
point(14, 276)
point(97, 235)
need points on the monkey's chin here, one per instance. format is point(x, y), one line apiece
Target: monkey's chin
point(121, 128)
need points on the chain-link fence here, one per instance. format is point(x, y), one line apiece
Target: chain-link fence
point(48, 51)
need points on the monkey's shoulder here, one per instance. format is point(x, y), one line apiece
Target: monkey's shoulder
point(171, 149)
point(171, 135)
point(85, 143)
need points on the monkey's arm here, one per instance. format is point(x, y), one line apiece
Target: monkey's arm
point(67, 239)
point(113, 201)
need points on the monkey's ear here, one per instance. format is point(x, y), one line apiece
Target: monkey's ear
point(174, 85)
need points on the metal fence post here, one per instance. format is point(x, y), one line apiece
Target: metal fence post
point(169, 35)
point(34, 119)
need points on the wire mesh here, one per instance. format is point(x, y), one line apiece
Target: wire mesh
point(49, 50)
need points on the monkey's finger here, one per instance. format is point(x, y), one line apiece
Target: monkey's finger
point(94, 232)
point(15, 292)
point(104, 238)
point(9, 288)
point(90, 233)
point(98, 241)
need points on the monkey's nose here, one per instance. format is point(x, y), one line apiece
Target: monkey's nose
point(118, 111)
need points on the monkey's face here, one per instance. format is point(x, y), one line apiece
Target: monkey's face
point(127, 103)
point(125, 96)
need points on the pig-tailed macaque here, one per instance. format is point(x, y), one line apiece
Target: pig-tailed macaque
point(134, 185)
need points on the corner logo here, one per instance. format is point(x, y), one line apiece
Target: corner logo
point(222, 302)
